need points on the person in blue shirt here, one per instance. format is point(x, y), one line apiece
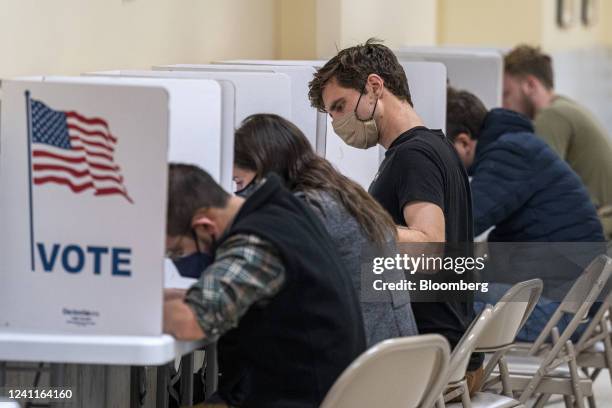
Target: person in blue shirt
point(523, 192)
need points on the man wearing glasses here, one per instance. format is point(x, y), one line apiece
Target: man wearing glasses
point(272, 290)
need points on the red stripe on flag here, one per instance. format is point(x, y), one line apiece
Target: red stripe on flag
point(90, 121)
point(95, 144)
point(92, 153)
point(67, 182)
point(43, 153)
point(93, 133)
point(102, 166)
point(76, 173)
point(111, 191)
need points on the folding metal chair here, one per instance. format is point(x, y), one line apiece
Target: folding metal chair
point(493, 330)
point(457, 384)
point(403, 372)
point(552, 369)
point(594, 348)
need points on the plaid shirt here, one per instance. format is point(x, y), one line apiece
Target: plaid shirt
point(247, 270)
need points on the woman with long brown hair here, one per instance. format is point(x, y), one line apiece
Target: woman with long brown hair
point(267, 143)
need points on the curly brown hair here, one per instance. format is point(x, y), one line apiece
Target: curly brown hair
point(527, 60)
point(352, 66)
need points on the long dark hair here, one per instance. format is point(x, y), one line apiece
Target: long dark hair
point(269, 143)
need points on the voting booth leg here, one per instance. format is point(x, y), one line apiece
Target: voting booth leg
point(187, 380)
point(211, 370)
point(57, 379)
point(163, 379)
point(138, 386)
point(2, 374)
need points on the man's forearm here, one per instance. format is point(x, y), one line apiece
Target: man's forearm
point(405, 235)
point(173, 293)
point(180, 321)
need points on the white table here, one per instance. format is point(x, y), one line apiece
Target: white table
point(61, 349)
point(79, 349)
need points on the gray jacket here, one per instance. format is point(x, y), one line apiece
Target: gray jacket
point(382, 319)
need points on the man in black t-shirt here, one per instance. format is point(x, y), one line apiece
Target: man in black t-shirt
point(421, 182)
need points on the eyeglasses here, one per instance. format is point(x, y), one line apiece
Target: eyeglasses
point(177, 252)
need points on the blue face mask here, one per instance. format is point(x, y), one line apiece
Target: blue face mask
point(192, 266)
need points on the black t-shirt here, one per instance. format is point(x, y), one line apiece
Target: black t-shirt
point(422, 165)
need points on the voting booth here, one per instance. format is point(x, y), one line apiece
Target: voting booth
point(82, 253)
point(263, 92)
point(94, 218)
point(201, 131)
point(309, 120)
point(428, 89)
point(477, 70)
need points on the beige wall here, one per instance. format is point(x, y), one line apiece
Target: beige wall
point(499, 23)
point(318, 28)
point(297, 29)
point(607, 15)
point(72, 36)
point(397, 22)
point(575, 36)
point(504, 23)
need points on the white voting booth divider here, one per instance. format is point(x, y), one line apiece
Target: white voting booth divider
point(81, 254)
point(428, 89)
point(256, 92)
point(201, 131)
point(309, 120)
point(197, 131)
point(478, 70)
point(82, 260)
point(72, 237)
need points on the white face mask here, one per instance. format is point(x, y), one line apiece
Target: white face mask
point(355, 132)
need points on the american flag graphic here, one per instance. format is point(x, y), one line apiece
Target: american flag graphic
point(75, 151)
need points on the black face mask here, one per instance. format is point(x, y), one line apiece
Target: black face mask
point(192, 266)
point(247, 190)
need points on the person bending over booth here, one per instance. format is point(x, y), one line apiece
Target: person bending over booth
point(568, 128)
point(421, 182)
point(524, 189)
point(275, 296)
point(267, 143)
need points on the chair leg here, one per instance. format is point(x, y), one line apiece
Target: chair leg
point(595, 374)
point(488, 380)
point(505, 375)
point(569, 403)
point(541, 401)
point(592, 403)
point(575, 378)
point(530, 389)
point(465, 396)
point(608, 354)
